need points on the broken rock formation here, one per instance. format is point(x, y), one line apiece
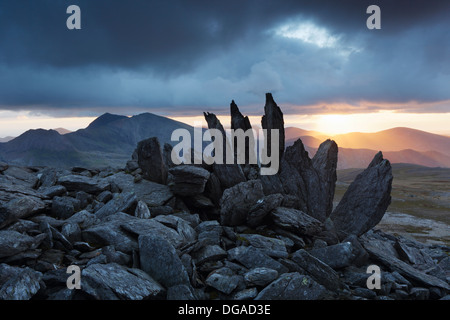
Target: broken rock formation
point(203, 234)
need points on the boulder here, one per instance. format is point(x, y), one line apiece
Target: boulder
point(319, 270)
point(22, 176)
point(115, 282)
point(15, 206)
point(159, 259)
point(336, 256)
point(83, 183)
point(186, 180)
point(293, 286)
point(260, 276)
point(71, 232)
point(48, 177)
point(122, 202)
point(251, 257)
point(273, 247)
point(152, 193)
point(259, 211)
point(18, 283)
point(182, 227)
point(64, 207)
point(296, 221)
point(142, 211)
point(209, 232)
point(24, 226)
point(110, 232)
point(366, 200)
point(237, 201)
point(151, 226)
point(13, 242)
point(209, 253)
point(224, 280)
point(83, 218)
point(151, 161)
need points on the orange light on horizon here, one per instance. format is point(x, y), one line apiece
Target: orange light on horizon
point(16, 123)
point(333, 124)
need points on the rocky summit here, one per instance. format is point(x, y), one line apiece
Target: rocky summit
point(155, 230)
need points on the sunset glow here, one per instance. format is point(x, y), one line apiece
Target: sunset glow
point(344, 123)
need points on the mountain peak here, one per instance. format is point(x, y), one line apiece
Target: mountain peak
point(105, 119)
point(62, 131)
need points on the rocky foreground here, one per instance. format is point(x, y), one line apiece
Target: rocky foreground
point(154, 230)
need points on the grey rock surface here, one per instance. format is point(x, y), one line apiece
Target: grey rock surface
point(114, 282)
point(366, 200)
point(159, 259)
point(238, 200)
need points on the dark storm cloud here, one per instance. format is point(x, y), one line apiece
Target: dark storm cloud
point(192, 54)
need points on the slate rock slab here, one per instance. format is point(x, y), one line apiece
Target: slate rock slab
point(260, 276)
point(188, 180)
point(251, 257)
point(122, 202)
point(336, 256)
point(293, 286)
point(365, 202)
point(320, 271)
point(296, 221)
point(237, 201)
point(83, 183)
point(13, 242)
point(223, 279)
point(115, 282)
point(21, 283)
point(405, 269)
point(159, 259)
point(151, 160)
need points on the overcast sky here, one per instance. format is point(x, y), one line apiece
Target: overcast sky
point(184, 57)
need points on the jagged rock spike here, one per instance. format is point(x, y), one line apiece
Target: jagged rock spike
point(273, 119)
point(366, 200)
point(238, 121)
point(325, 164)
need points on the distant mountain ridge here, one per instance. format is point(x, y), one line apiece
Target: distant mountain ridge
point(6, 139)
point(62, 131)
point(108, 140)
point(399, 145)
point(395, 139)
point(111, 139)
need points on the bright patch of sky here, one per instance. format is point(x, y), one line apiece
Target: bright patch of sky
point(308, 32)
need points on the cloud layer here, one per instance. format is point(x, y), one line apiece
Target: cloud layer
point(182, 57)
